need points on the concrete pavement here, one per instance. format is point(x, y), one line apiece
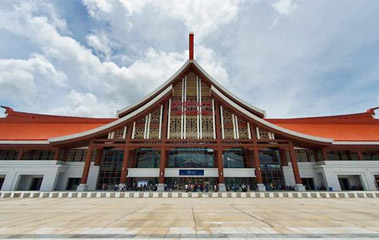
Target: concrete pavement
point(201, 218)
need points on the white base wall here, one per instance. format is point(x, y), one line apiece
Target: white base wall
point(331, 170)
point(143, 172)
point(55, 174)
point(326, 173)
point(208, 172)
point(239, 172)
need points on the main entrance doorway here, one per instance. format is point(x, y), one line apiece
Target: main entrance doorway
point(200, 183)
point(110, 169)
point(2, 179)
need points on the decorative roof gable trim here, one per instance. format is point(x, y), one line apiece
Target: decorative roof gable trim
point(268, 124)
point(263, 112)
point(355, 143)
point(24, 142)
point(121, 111)
point(114, 123)
point(177, 73)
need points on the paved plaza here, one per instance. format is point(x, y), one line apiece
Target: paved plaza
point(201, 218)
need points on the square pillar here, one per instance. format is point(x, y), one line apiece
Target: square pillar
point(220, 168)
point(124, 170)
point(83, 182)
point(162, 167)
point(258, 173)
point(299, 184)
point(360, 156)
point(324, 154)
point(99, 155)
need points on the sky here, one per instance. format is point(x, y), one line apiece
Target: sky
point(93, 57)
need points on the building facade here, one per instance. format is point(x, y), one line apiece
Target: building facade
point(189, 130)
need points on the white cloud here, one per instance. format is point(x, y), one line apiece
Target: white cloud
point(21, 78)
point(100, 45)
point(203, 17)
point(296, 69)
point(285, 7)
point(111, 84)
point(83, 104)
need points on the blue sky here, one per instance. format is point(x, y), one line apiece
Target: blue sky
point(92, 57)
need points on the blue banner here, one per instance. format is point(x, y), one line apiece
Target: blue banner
point(191, 172)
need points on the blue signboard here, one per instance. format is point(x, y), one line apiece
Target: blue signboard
point(191, 172)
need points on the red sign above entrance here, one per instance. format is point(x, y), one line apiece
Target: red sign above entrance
point(190, 108)
point(176, 104)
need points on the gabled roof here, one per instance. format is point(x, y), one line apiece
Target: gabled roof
point(170, 81)
point(21, 126)
point(111, 125)
point(348, 127)
point(270, 125)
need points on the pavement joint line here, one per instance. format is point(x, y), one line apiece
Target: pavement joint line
point(192, 235)
point(248, 214)
point(268, 194)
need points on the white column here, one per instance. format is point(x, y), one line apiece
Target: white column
point(197, 109)
point(134, 130)
point(200, 109)
point(148, 127)
point(222, 123)
point(145, 129)
point(234, 127)
point(182, 116)
point(185, 108)
point(169, 119)
point(248, 130)
point(160, 123)
point(237, 129)
point(258, 135)
point(213, 119)
point(124, 133)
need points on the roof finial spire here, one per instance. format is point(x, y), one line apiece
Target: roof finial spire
point(191, 50)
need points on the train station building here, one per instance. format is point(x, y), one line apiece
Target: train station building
point(189, 130)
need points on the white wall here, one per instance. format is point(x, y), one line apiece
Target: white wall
point(208, 172)
point(25, 182)
point(366, 170)
point(327, 172)
point(56, 173)
point(143, 172)
point(239, 172)
point(49, 169)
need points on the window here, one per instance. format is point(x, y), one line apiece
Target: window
point(191, 158)
point(76, 155)
point(148, 158)
point(271, 168)
point(38, 155)
point(305, 155)
point(110, 170)
point(235, 158)
point(8, 154)
point(343, 155)
point(371, 155)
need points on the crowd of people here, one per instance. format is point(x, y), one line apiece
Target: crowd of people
point(190, 187)
point(204, 187)
point(238, 187)
point(122, 187)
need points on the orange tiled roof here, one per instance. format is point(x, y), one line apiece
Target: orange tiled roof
point(352, 127)
point(28, 126)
